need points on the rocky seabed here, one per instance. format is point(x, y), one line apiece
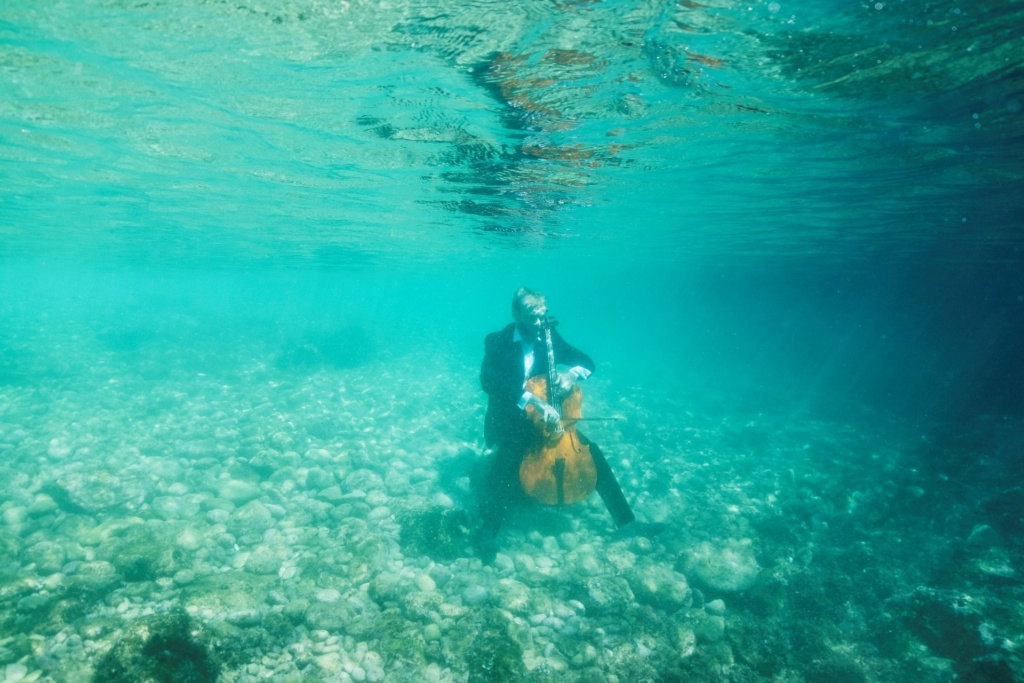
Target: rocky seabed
point(290, 527)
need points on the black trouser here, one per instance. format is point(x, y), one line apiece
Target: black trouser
point(502, 489)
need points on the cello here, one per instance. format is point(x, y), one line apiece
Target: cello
point(558, 469)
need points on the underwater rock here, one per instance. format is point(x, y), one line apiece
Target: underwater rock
point(263, 560)
point(475, 595)
point(731, 568)
point(684, 640)
point(511, 595)
point(495, 655)
point(13, 673)
point(983, 536)
point(660, 586)
point(175, 507)
point(110, 529)
point(317, 479)
point(363, 480)
point(169, 648)
point(41, 506)
point(227, 592)
point(386, 588)
point(189, 539)
point(422, 605)
point(346, 616)
point(139, 555)
point(716, 606)
point(238, 491)
point(47, 556)
point(184, 577)
point(251, 519)
point(605, 594)
point(94, 577)
point(995, 564)
point(709, 628)
point(440, 533)
point(81, 492)
point(332, 494)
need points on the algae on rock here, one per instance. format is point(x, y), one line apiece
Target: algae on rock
point(167, 648)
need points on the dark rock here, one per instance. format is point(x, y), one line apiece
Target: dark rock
point(440, 533)
point(494, 655)
point(168, 648)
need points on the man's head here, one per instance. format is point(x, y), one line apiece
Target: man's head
point(529, 309)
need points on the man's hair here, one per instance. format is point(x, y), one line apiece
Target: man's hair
point(526, 298)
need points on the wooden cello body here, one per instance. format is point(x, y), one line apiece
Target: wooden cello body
point(559, 468)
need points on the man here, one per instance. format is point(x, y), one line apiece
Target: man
point(511, 356)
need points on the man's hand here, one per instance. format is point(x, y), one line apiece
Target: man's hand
point(567, 379)
point(551, 416)
point(548, 413)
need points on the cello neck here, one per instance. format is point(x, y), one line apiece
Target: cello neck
point(553, 386)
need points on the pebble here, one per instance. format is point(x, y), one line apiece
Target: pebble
point(189, 539)
point(15, 516)
point(328, 595)
point(18, 673)
point(475, 595)
point(184, 577)
point(41, 506)
point(263, 561)
point(503, 564)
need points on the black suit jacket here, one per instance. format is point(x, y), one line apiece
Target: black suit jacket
point(502, 376)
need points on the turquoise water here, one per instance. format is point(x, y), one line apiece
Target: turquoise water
point(249, 252)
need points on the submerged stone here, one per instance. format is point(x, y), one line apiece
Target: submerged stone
point(47, 556)
point(494, 655)
point(93, 577)
point(440, 533)
point(728, 568)
point(238, 492)
point(605, 594)
point(660, 586)
point(251, 519)
point(227, 592)
point(168, 648)
point(80, 492)
point(511, 595)
point(264, 560)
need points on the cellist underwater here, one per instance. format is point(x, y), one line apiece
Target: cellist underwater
point(532, 409)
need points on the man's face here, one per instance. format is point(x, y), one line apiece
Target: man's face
point(529, 321)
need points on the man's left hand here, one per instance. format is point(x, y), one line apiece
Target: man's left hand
point(567, 379)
